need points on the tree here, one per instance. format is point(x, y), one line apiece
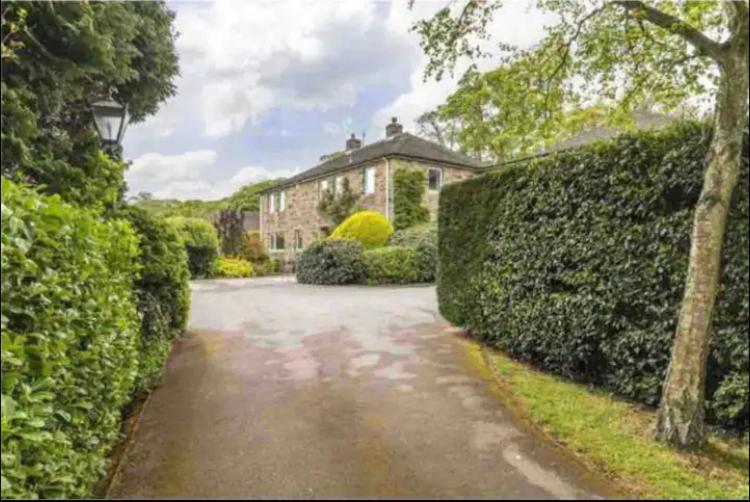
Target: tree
point(625, 52)
point(439, 129)
point(59, 57)
point(339, 206)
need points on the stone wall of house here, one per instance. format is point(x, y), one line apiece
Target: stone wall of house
point(301, 212)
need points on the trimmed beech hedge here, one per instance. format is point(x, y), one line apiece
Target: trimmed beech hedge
point(162, 290)
point(331, 261)
point(392, 265)
point(70, 339)
point(576, 262)
point(423, 238)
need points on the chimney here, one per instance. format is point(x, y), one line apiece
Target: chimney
point(353, 143)
point(393, 128)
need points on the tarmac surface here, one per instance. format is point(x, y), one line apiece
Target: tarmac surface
point(282, 390)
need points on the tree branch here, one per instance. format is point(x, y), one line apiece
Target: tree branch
point(694, 37)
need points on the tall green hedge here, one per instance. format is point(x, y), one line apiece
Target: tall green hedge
point(201, 242)
point(70, 338)
point(163, 292)
point(577, 261)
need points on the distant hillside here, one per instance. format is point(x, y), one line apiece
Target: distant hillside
point(247, 198)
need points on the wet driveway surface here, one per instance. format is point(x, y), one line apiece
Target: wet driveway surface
point(282, 390)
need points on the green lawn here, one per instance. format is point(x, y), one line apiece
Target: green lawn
point(613, 437)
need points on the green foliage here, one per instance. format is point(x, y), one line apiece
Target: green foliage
point(233, 267)
point(577, 262)
point(253, 249)
point(369, 228)
point(162, 290)
point(247, 198)
point(408, 189)
point(423, 238)
point(392, 265)
point(201, 242)
point(70, 342)
point(58, 58)
point(331, 261)
point(340, 206)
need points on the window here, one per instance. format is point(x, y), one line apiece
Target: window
point(369, 180)
point(324, 186)
point(271, 202)
point(282, 201)
point(269, 241)
point(339, 184)
point(297, 240)
point(279, 242)
point(435, 179)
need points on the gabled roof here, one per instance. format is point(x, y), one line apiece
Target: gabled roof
point(403, 144)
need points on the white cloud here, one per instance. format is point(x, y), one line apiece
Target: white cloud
point(253, 57)
point(186, 176)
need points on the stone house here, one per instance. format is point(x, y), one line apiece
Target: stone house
point(289, 215)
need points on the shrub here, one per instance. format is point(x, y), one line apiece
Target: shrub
point(392, 265)
point(577, 263)
point(408, 190)
point(70, 338)
point(252, 248)
point(201, 243)
point(423, 238)
point(331, 261)
point(369, 228)
point(233, 267)
point(163, 292)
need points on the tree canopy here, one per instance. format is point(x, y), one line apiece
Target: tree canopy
point(58, 58)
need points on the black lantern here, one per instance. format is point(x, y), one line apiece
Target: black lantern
point(111, 119)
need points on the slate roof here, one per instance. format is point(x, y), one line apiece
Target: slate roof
point(402, 144)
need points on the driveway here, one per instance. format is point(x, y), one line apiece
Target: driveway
point(281, 390)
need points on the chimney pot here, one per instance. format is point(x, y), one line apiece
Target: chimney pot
point(393, 128)
point(353, 143)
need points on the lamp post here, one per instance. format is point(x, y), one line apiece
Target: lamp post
point(111, 119)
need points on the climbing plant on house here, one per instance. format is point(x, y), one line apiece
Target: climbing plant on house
point(408, 190)
point(339, 206)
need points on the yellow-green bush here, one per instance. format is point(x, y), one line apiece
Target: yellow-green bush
point(233, 267)
point(369, 228)
point(70, 342)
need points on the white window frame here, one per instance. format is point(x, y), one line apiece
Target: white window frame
point(338, 185)
point(440, 179)
point(282, 201)
point(271, 203)
point(369, 178)
point(323, 186)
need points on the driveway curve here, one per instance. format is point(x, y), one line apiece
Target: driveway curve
point(282, 390)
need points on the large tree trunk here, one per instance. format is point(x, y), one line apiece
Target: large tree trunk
point(680, 420)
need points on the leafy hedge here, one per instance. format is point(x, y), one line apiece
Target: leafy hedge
point(577, 263)
point(392, 265)
point(70, 338)
point(331, 261)
point(423, 238)
point(408, 189)
point(233, 267)
point(369, 228)
point(201, 242)
point(163, 292)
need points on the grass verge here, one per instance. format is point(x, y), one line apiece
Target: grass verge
point(613, 436)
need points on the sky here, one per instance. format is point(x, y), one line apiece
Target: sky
point(267, 87)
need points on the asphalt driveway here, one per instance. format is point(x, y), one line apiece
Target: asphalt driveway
point(283, 390)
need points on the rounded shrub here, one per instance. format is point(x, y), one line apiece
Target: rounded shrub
point(392, 265)
point(331, 261)
point(369, 228)
point(70, 341)
point(163, 291)
point(252, 248)
point(233, 267)
point(201, 242)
